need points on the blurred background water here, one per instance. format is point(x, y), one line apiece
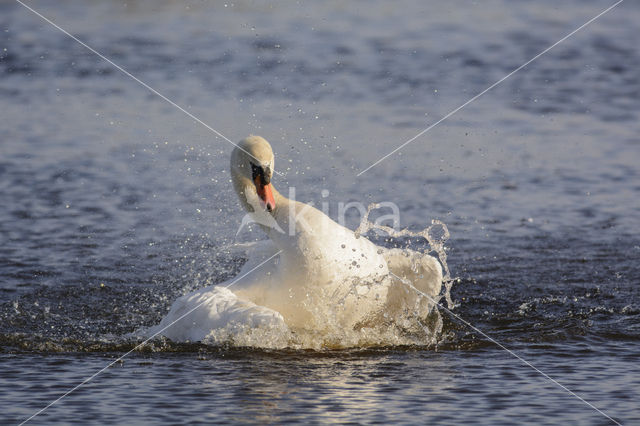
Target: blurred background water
point(113, 202)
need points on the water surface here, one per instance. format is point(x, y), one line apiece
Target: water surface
point(114, 203)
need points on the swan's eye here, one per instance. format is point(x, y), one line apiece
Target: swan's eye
point(255, 171)
point(263, 172)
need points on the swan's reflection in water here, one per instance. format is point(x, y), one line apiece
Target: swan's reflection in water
point(332, 387)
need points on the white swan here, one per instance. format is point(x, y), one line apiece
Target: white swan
point(313, 275)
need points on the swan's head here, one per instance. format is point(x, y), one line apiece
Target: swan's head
point(251, 171)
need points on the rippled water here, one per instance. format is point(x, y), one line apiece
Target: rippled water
point(113, 203)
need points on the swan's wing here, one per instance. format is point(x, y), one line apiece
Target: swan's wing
point(214, 315)
point(213, 312)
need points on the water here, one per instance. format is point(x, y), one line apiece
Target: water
point(114, 203)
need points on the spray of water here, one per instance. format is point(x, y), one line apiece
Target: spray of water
point(436, 235)
point(405, 300)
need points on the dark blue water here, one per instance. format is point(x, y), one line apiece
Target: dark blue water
point(113, 203)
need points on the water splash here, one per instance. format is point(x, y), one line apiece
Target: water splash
point(408, 318)
point(436, 236)
point(415, 285)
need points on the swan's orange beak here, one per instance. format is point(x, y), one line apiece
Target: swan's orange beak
point(265, 194)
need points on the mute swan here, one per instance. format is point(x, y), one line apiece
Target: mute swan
point(323, 276)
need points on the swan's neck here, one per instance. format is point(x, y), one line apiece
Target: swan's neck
point(284, 215)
